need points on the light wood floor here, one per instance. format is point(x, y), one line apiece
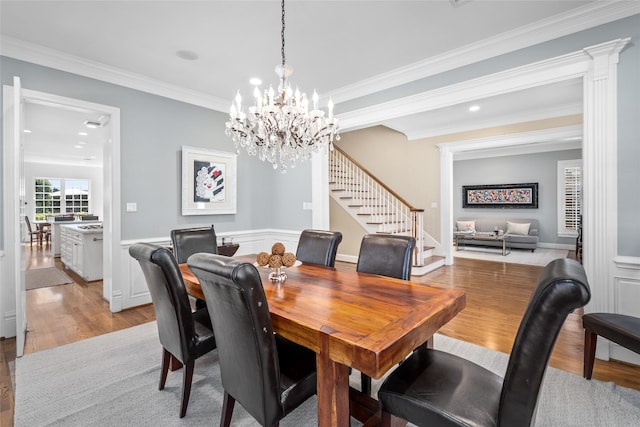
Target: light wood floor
point(497, 295)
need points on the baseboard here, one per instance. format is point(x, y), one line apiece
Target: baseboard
point(557, 246)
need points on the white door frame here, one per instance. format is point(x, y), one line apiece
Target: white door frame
point(111, 182)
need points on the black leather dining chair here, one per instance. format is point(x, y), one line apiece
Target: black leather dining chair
point(435, 388)
point(267, 374)
point(385, 255)
point(318, 247)
point(183, 334)
point(622, 329)
point(189, 241)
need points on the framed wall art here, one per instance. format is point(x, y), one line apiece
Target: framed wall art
point(500, 196)
point(208, 182)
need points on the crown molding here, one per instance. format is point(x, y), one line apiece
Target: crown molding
point(579, 19)
point(36, 54)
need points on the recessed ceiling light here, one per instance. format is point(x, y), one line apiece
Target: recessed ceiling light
point(82, 143)
point(26, 131)
point(78, 146)
point(474, 108)
point(255, 81)
point(92, 124)
point(83, 133)
point(187, 55)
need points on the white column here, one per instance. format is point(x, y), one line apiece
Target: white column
point(600, 189)
point(446, 202)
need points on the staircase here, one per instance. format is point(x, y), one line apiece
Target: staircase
point(378, 209)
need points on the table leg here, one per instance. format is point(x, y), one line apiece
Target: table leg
point(333, 388)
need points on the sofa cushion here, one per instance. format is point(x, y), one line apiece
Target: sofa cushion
point(518, 228)
point(466, 225)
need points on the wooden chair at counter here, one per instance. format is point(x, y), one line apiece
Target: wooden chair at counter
point(32, 232)
point(385, 255)
point(184, 335)
point(267, 374)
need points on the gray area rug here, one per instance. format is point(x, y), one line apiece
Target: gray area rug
point(43, 277)
point(541, 256)
point(113, 380)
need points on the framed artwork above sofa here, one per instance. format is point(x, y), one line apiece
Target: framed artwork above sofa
point(500, 196)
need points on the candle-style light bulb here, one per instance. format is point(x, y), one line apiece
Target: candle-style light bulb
point(315, 99)
point(330, 106)
point(256, 94)
point(238, 102)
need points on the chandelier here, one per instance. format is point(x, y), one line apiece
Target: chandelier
point(282, 127)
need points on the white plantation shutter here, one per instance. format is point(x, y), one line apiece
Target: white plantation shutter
point(569, 197)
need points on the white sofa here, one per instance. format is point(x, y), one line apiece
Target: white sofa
point(519, 234)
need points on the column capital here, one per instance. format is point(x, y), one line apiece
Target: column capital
point(605, 54)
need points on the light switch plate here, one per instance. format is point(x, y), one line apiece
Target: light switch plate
point(132, 207)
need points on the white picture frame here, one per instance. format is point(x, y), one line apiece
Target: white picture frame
point(209, 181)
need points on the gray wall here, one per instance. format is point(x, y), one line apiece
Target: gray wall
point(153, 130)
point(539, 167)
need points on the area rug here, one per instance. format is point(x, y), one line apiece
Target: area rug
point(113, 380)
point(43, 277)
point(541, 256)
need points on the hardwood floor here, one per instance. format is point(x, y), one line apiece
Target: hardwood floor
point(497, 295)
point(61, 315)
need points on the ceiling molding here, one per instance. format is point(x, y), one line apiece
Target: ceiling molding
point(554, 139)
point(582, 18)
point(520, 117)
point(579, 19)
point(565, 67)
point(58, 60)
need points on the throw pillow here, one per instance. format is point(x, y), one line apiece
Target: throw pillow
point(518, 228)
point(466, 225)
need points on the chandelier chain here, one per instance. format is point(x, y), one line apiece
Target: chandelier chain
point(282, 35)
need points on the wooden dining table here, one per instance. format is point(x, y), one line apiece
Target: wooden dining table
point(350, 319)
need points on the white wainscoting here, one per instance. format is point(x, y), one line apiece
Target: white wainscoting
point(134, 291)
point(626, 300)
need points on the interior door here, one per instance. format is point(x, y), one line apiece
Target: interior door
point(19, 212)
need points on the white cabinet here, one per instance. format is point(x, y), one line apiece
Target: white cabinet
point(81, 251)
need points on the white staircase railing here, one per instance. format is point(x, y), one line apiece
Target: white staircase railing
point(384, 210)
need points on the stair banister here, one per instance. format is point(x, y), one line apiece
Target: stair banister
point(393, 207)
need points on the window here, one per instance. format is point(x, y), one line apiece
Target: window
point(54, 196)
point(569, 197)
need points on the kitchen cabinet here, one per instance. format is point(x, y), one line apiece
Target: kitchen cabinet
point(56, 234)
point(81, 249)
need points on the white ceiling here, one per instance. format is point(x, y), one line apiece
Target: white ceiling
point(344, 49)
point(54, 137)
